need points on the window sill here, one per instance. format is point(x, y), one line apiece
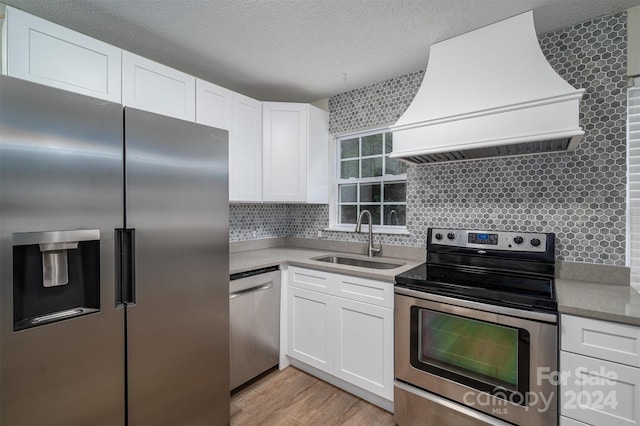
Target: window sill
point(365, 228)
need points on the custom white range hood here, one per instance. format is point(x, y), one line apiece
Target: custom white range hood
point(489, 93)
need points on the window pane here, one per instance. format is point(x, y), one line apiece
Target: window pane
point(395, 192)
point(349, 214)
point(348, 193)
point(371, 167)
point(395, 215)
point(388, 143)
point(349, 148)
point(395, 167)
point(375, 213)
point(370, 193)
point(349, 169)
point(372, 145)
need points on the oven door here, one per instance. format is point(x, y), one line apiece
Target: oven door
point(482, 357)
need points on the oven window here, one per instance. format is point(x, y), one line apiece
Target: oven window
point(487, 356)
point(477, 349)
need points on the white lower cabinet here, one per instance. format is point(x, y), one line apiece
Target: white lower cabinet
point(331, 329)
point(600, 381)
point(364, 346)
point(311, 328)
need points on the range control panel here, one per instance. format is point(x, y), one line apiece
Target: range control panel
point(497, 240)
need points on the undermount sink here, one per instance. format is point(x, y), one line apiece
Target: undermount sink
point(363, 263)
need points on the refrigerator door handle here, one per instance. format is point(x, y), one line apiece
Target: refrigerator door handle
point(125, 266)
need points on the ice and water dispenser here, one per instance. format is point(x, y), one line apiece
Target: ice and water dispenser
point(56, 275)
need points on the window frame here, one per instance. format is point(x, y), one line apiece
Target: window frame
point(336, 181)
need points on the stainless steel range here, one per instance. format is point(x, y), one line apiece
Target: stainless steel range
point(476, 331)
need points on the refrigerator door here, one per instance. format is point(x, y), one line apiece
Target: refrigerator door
point(60, 170)
point(178, 327)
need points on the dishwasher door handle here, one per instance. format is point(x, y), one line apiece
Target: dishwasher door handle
point(250, 290)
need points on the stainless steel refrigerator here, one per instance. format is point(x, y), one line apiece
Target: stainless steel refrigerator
point(113, 264)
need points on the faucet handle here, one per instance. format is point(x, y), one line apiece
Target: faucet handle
point(375, 249)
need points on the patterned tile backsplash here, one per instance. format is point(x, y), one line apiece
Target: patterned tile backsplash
point(581, 196)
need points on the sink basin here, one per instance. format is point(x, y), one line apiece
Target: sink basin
point(363, 263)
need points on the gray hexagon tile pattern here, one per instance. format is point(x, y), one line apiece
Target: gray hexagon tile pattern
point(581, 196)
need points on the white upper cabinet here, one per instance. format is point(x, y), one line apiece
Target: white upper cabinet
point(285, 151)
point(296, 139)
point(214, 105)
point(154, 87)
point(245, 150)
point(49, 54)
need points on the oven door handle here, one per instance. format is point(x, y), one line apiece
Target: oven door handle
point(494, 309)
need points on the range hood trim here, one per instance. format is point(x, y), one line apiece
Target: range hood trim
point(574, 135)
point(577, 95)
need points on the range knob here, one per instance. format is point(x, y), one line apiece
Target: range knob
point(518, 239)
point(451, 236)
point(535, 242)
point(439, 236)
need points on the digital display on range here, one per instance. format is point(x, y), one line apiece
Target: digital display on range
point(476, 238)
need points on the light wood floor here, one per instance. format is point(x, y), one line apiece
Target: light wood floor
point(293, 398)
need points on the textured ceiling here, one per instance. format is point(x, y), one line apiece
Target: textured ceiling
point(298, 50)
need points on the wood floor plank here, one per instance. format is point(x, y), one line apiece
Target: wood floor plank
point(294, 398)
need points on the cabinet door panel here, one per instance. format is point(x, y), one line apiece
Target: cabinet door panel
point(601, 339)
point(214, 105)
point(49, 54)
point(364, 346)
point(154, 87)
point(318, 157)
point(310, 328)
point(599, 392)
point(311, 279)
point(285, 151)
point(365, 290)
point(245, 150)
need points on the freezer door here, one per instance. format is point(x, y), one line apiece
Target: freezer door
point(178, 327)
point(60, 170)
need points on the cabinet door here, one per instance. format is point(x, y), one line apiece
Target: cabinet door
point(154, 87)
point(49, 54)
point(364, 346)
point(214, 105)
point(599, 392)
point(245, 150)
point(285, 151)
point(310, 325)
point(318, 157)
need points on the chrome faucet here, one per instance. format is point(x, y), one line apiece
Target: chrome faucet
point(371, 249)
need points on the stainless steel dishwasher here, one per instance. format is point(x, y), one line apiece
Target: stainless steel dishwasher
point(254, 323)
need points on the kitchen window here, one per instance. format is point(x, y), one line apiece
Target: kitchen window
point(368, 179)
point(633, 183)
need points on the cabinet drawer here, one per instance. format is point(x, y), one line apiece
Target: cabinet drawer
point(311, 280)
point(364, 290)
point(601, 339)
point(599, 392)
